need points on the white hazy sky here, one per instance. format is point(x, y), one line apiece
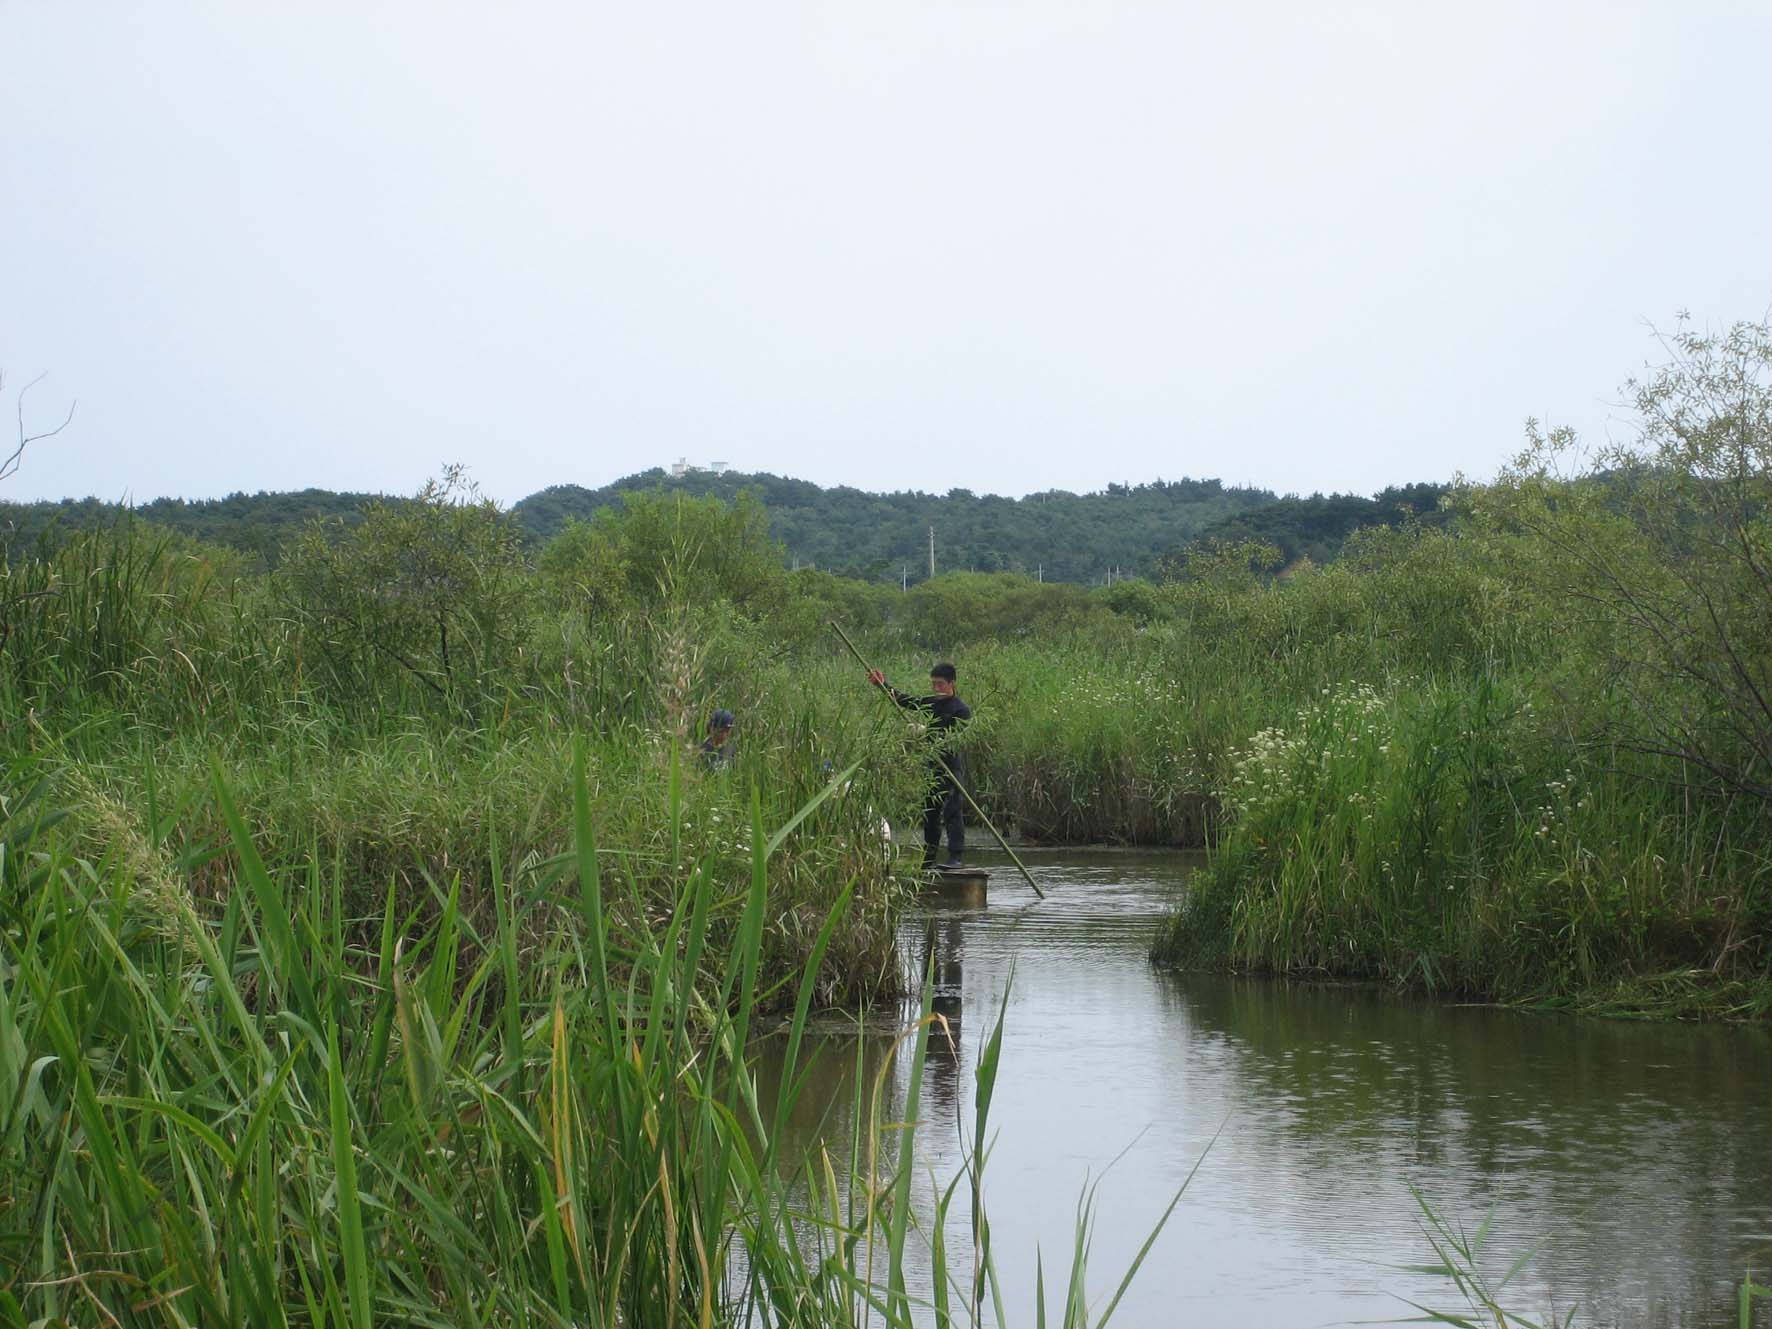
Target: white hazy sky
point(1005, 246)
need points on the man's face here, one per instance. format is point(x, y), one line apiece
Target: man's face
point(944, 687)
point(721, 733)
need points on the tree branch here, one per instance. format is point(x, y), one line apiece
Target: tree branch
point(10, 465)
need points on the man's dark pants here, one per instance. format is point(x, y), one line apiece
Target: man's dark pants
point(945, 808)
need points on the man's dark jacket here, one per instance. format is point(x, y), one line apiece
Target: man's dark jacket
point(943, 714)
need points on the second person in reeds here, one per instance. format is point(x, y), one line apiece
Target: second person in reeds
point(944, 808)
point(719, 747)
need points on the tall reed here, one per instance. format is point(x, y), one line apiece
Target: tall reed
point(249, 1114)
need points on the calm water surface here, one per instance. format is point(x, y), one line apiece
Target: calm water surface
point(1638, 1157)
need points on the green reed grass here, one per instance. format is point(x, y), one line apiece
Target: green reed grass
point(1749, 1293)
point(1459, 1259)
point(1488, 849)
point(1440, 834)
point(273, 1110)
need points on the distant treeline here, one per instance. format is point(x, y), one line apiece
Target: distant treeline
point(258, 524)
point(1122, 531)
point(1315, 527)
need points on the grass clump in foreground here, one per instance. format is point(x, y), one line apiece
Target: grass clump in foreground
point(243, 1114)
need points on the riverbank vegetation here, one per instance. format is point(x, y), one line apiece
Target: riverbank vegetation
point(1552, 783)
point(267, 1113)
point(1519, 752)
point(384, 887)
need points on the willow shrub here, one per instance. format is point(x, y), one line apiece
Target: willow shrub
point(1659, 545)
point(431, 593)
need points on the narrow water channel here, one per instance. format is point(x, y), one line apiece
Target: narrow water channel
point(1637, 1156)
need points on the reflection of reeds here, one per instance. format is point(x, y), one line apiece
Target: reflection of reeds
point(280, 1118)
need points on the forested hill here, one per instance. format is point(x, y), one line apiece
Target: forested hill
point(254, 523)
point(1315, 527)
point(1128, 529)
point(1058, 535)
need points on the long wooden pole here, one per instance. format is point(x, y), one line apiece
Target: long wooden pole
point(970, 801)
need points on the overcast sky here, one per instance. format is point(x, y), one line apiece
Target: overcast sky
point(1004, 246)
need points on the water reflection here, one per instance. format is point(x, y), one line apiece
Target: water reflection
point(1642, 1154)
point(944, 953)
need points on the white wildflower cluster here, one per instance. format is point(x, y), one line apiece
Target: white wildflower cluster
point(716, 832)
point(1348, 711)
point(1361, 697)
point(1562, 801)
point(1262, 773)
point(1146, 691)
point(1343, 723)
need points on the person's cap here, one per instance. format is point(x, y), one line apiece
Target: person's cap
point(721, 719)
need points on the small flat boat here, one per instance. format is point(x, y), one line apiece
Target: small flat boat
point(966, 884)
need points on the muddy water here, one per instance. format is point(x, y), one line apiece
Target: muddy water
point(1638, 1158)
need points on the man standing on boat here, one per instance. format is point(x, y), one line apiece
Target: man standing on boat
point(945, 806)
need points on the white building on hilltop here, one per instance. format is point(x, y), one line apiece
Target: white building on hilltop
point(681, 467)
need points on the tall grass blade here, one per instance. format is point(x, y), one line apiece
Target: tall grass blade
point(350, 1214)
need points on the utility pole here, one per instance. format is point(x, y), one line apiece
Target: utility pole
point(932, 553)
point(904, 578)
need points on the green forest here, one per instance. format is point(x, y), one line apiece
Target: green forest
point(1121, 531)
